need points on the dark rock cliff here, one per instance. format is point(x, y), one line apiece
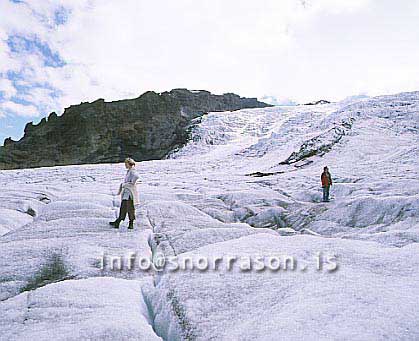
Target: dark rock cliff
point(145, 128)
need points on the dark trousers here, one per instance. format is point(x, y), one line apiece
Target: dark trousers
point(127, 206)
point(326, 193)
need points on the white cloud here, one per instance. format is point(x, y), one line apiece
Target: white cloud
point(7, 63)
point(7, 88)
point(18, 109)
point(292, 49)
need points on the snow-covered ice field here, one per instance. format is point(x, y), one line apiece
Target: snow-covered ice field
point(247, 185)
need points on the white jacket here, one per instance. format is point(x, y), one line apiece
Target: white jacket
point(130, 184)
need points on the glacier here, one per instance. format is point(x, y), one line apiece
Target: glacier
point(246, 185)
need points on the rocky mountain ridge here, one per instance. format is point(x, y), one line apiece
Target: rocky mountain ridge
point(145, 128)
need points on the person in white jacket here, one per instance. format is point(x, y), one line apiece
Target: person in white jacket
point(129, 195)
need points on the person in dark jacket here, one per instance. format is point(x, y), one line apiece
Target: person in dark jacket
point(326, 183)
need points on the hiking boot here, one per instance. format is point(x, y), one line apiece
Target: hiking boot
point(115, 223)
point(131, 225)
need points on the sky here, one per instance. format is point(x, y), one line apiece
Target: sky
point(55, 53)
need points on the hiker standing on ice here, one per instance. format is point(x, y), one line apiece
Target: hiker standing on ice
point(326, 183)
point(129, 195)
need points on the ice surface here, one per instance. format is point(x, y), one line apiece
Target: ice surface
point(203, 201)
point(359, 301)
point(88, 309)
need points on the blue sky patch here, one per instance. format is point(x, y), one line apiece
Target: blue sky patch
point(25, 45)
point(27, 89)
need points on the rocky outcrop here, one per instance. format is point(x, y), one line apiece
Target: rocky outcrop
point(320, 144)
point(145, 128)
point(322, 101)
